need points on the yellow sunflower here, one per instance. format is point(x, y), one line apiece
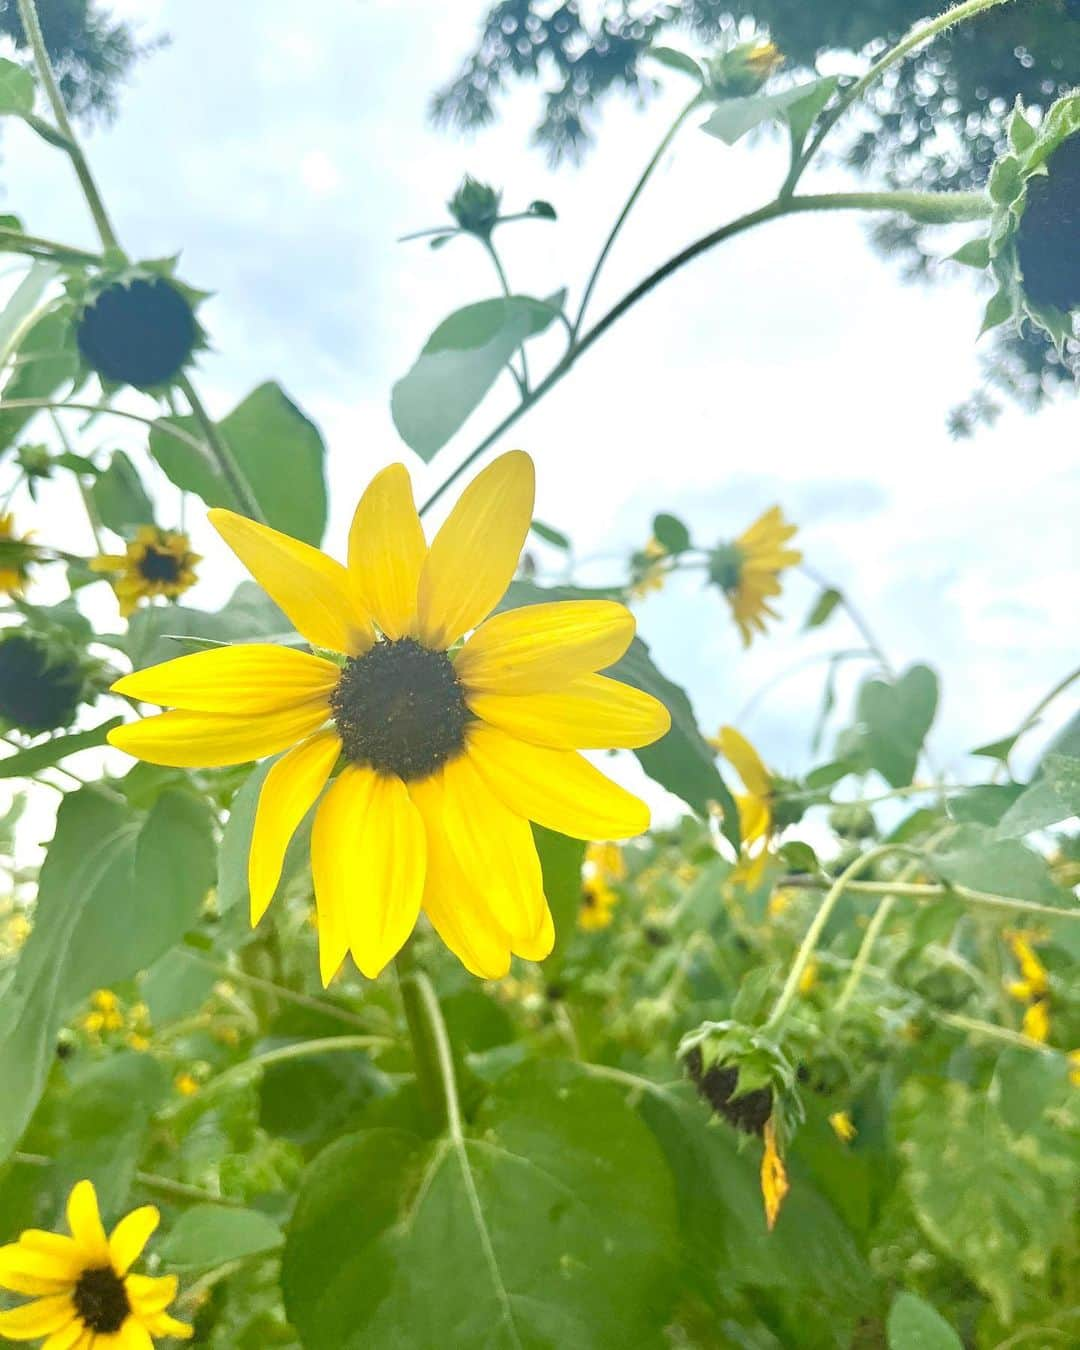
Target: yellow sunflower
point(16, 554)
point(748, 570)
point(755, 805)
point(85, 1296)
point(598, 902)
point(448, 750)
point(157, 562)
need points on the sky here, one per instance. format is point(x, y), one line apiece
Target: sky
point(283, 149)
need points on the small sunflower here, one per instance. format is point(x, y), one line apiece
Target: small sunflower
point(157, 562)
point(748, 570)
point(756, 818)
point(597, 906)
point(449, 749)
point(85, 1297)
point(16, 555)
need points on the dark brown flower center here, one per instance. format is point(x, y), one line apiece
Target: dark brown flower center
point(400, 709)
point(159, 565)
point(101, 1300)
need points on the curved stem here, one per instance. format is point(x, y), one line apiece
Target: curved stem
point(817, 926)
point(915, 37)
point(631, 201)
point(155, 423)
point(993, 1032)
point(920, 891)
point(14, 241)
point(433, 1059)
point(32, 26)
point(943, 206)
point(318, 1005)
point(492, 252)
point(854, 614)
point(219, 448)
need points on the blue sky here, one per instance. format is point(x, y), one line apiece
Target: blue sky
point(283, 149)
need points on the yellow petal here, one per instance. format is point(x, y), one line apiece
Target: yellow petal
point(387, 551)
point(131, 1336)
point(494, 848)
point(556, 788)
point(24, 1271)
point(388, 863)
point(312, 589)
point(62, 1251)
point(149, 1294)
point(84, 1221)
point(288, 793)
point(475, 553)
point(591, 713)
point(741, 753)
point(40, 1318)
point(67, 1338)
point(194, 740)
point(247, 678)
point(164, 1325)
point(457, 911)
point(130, 1236)
point(774, 1182)
point(755, 818)
point(538, 648)
point(538, 947)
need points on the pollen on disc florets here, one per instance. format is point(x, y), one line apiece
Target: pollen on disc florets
point(400, 709)
point(101, 1300)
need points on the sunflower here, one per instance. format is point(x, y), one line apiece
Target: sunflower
point(748, 570)
point(157, 562)
point(16, 554)
point(597, 906)
point(448, 749)
point(85, 1295)
point(755, 805)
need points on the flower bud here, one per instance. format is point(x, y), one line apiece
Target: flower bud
point(42, 681)
point(743, 69)
point(475, 207)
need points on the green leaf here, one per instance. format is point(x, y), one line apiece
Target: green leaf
point(975, 253)
point(250, 614)
point(1006, 180)
point(983, 804)
point(1025, 1085)
point(1039, 806)
point(988, 1201)
point(682, 761)
point(999, 750)
point(671, 532)
point(88, 863)
point(999, 308)
point(551, 1223)
point(915, 1325)
point(22, 303)
point(279, 451)
point(26, 763)
point(1002, 867)
point(560, 861)
point(119, 496)
point(542, 210)
point(676, 60)
point(550, 535)
point(823, 607)
point(16, 89)
point(734, 117)
point(1022, 135)
point(47, 359)
point(459, 364)
point(210, 1235)
point(895, 718)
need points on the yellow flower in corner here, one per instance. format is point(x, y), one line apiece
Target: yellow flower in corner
point(157, 562)
point(842, 1125)
point(16, 553)
point(448, 749)
point(85, 1296)
point(1033, 982)
point(748, 570)
point(754, 805)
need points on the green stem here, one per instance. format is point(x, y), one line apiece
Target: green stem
point(14, 241)
point(943, 206)
point(993, 1032)
point(219, 448)
point(87, 501)
point(1033, 716)
point(155, 423)
point(280, 991)
point(915, 37)
point(855, 615)
point(817, 926)
point(433, 1060)
point(32, 27)
point(522, 380)
point(985, 899)
point(631, 201)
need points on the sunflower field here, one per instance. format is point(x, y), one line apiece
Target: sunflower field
point(390, 954)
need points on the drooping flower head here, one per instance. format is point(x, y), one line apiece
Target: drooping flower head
point(44, 678)
point(447, 750)
point(156, 562)
point(84, 1295)
point(748, 570)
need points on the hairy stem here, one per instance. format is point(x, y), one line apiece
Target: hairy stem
point(433, 1059)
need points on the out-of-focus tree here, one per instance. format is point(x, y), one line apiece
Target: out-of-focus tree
point(93, 52)
point(936, 123)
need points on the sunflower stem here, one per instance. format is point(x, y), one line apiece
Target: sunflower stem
point(32, 27)
point(521, 380)
point(918, 891)
point(219, 448)
point(433, 1058)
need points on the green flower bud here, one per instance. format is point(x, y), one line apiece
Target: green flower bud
point(743, 69)
point(852, 820)
point(475, 207)
point(42, 681)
